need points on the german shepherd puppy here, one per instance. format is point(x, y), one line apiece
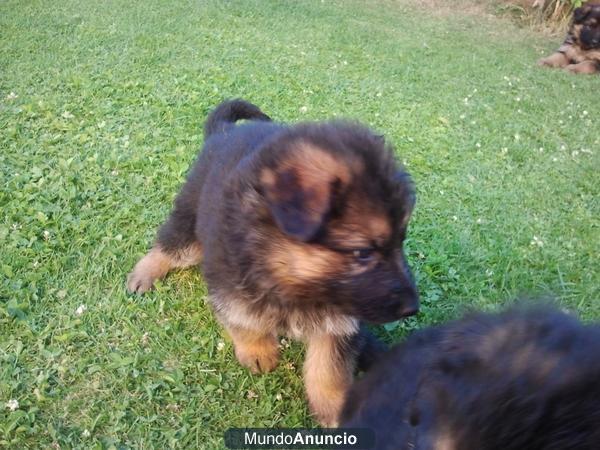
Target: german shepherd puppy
point(523, 379)
point(300, 232)
point(580, 52)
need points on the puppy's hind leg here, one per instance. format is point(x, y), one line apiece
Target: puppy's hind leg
point(328, 370)
point(175, 247)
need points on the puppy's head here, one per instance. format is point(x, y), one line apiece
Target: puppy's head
point(338, 209)
point(586, 20)
point(523, 379)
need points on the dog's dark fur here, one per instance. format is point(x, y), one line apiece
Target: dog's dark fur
point(300, 229)
point(580, 52)
point(524, 379)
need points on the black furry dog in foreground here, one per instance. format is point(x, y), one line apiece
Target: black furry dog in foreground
point(299, 231)
point(520, 380)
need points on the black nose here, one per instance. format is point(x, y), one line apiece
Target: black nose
point(409, 299)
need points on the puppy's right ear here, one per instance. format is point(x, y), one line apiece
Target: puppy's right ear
point(581, 13)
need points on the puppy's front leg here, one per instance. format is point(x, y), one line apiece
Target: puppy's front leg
point(328, 370)
point(587, 67)
point(557, 59)
point(256, 350)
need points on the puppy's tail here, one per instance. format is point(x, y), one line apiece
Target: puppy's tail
point(229, 112)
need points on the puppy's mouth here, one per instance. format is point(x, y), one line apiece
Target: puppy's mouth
point(389, 312)
point(589, 40)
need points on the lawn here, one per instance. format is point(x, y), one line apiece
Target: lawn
point(101, 113)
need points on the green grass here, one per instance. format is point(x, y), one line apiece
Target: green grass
point(109, 100)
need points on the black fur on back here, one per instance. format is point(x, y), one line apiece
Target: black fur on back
point(523, 379)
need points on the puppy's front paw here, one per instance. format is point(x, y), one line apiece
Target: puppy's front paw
point(150, 268)
point(586, 67)
point(139, 282)
point(326, 407)
point(260, 356)
point(555, 60)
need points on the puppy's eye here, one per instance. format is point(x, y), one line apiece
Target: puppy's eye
point(363, 255)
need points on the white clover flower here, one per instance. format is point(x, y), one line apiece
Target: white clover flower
point(12, 96)
point(67, 115)
point(12, 404)
point(537, 241)
point(86, 434)
point(80, 310)
point(220, 345)
point(304, 109)
point(251, 394)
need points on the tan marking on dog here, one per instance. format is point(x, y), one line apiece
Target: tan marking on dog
point(444, 441)
point(317, 165)
point(294, 263)
point(362, 225)
point(585, 67)
point(256, 350)
point(298, 325)
point(157, 263)
point(327, 377)
point(555, 60)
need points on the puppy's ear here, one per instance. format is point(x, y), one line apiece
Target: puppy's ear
point(300, 190)
point(581, 13)
point(410, 197)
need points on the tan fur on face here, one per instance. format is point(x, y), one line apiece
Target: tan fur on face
point(327, 377)
point(361, 226)
point(157, 263)
point(317, 165)
point(315, 171)
point(294, 263)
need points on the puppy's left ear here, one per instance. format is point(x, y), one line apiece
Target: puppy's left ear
point(298, 206)
point(300, 190)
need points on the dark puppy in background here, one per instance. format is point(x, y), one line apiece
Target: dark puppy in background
point(300, 232)
point(580, 52)
point(523, 379)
